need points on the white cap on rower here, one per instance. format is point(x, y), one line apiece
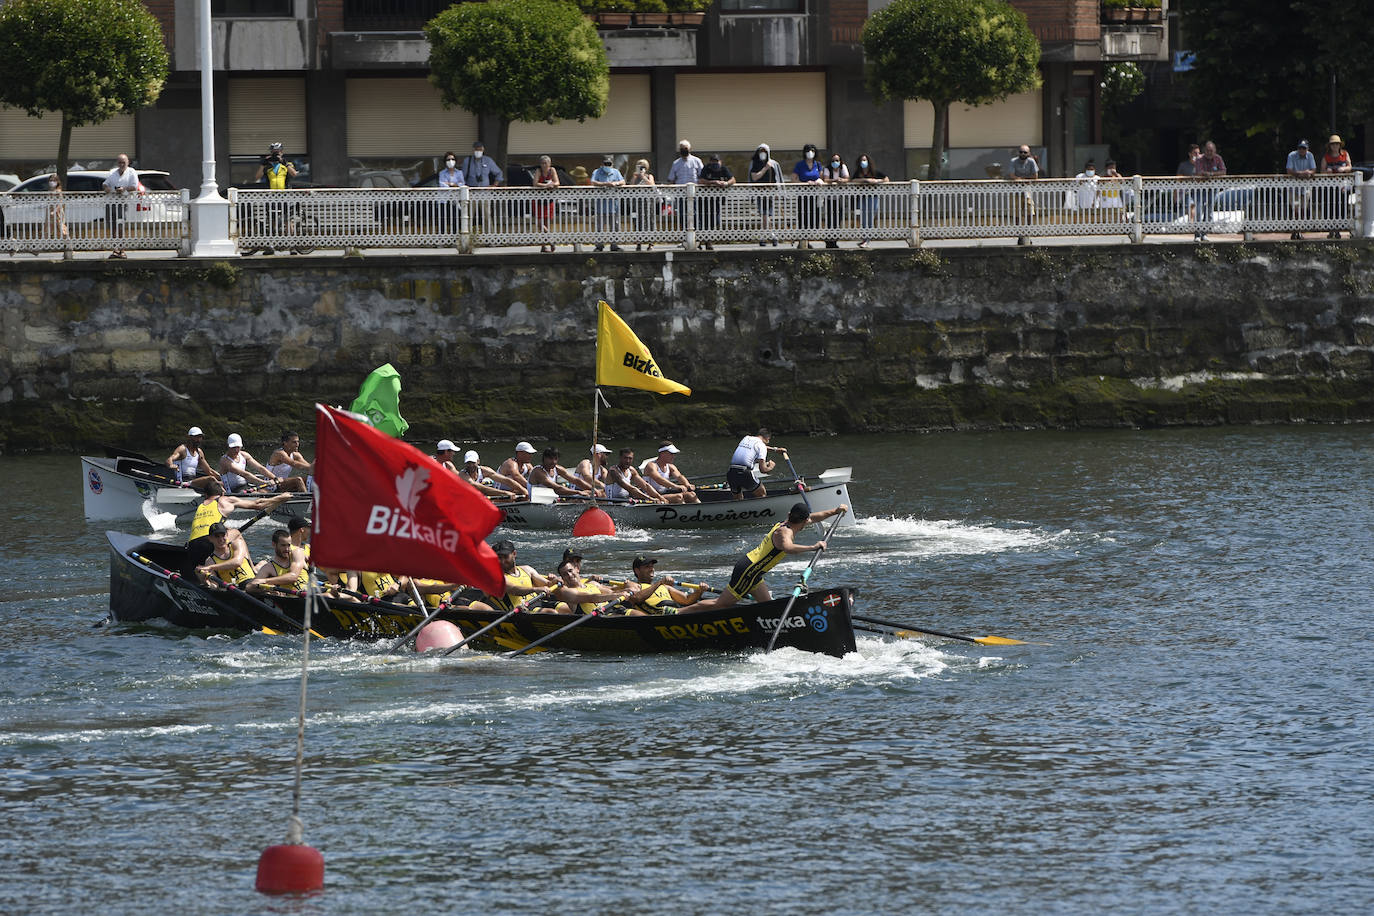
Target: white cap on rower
point(599, 449)
point(234, 441)
point(471, 455)
point(194, 431)
point(524, 447)
point(446, 446)
point(669, 448)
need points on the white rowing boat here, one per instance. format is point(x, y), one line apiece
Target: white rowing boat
point(717, 509)
point(133, 486)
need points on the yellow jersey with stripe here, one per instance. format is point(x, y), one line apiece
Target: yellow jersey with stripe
point(660, 601)
point(302, 577)
point(520, 578)
point(207, 513)
point(750, 569)
point(375, 583)
point(234, 575)
point(586, 607)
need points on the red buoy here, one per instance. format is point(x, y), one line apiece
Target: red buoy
point(593, 521)
point(437, 634)
point(290, 869)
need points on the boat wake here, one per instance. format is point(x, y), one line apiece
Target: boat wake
point(159, 521)
point(918, 537)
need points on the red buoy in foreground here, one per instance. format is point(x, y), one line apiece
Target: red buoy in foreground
point(290, 869)
point(437, 634)
point(593, 521)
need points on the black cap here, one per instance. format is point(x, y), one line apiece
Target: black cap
point(570, 555)
point(297, 523)
point(798, 512)
point(505, 546)
point(642, 560)
point(217, 528)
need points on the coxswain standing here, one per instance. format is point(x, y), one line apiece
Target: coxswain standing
point(747, 578)
point(751, 456)
point(192, 467)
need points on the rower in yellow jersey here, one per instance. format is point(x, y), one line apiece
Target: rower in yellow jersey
point(657, 595)
point(578, 594)
point(747, 578)
point(521, 581)
point(228, 559)
point(212, 509)
point(286, 568)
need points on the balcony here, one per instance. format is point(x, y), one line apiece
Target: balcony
point(390, 15)
point(1135, 30)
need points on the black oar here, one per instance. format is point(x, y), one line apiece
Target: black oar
point(683, 585)
point(543, 639)
point(522, 606)
point(806, 577)
point(420, 602)
point(906, 627)
point(252, 624)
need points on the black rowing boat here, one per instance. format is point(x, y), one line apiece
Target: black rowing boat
point(147, 582)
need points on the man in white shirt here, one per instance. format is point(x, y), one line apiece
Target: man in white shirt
point(121, 182)
point(686, 168)
point(751, 456)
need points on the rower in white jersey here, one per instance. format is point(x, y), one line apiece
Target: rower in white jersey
point(193, 468)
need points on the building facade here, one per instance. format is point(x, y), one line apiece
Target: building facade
point(342, 84)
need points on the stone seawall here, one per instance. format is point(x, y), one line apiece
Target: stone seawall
point(834, 341)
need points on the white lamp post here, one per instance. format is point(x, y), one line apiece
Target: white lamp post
point(209, 211)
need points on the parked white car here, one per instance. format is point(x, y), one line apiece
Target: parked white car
point(29, 204)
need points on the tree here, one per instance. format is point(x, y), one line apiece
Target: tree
point(946, 51)
point(88, 59)
point(519, 60)
point(1263, 74)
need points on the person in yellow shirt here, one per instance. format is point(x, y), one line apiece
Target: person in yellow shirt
point(228, 559)
point(780, 541)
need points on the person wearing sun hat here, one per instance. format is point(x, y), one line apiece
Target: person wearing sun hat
point(518, 466)
point(1336, 160)
point(443, 453)
point(591, 471)
point(663, 475)
point(656, 594)
point(234, 467)
point(494, 486)
point(192, 467)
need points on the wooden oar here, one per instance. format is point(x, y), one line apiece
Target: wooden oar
point(903, 628)
point(796, 592)
point(561, 630)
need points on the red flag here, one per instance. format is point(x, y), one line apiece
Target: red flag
point(385, 506)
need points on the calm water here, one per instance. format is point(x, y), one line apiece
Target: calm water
point(1195, 735)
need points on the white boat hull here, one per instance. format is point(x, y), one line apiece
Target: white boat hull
point(715, 514)
point(111, 494)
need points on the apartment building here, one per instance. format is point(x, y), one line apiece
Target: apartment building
point(342, 83)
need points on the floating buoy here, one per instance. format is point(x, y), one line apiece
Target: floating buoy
point(437, 634)
point(290, 869)
point(593, 521)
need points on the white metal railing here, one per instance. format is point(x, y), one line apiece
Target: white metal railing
point(94, 221)
point(468, 218)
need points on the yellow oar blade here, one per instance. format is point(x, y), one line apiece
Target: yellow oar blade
point(999, 641)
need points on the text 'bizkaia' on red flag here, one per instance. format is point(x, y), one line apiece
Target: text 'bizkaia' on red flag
point(385, 506)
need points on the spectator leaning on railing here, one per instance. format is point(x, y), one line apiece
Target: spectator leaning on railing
point(1336, 160)
point(1301, 164)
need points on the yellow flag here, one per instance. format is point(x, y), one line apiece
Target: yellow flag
point(624, 362)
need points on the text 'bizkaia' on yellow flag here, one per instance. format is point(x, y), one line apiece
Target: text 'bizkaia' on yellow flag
point(623, 362)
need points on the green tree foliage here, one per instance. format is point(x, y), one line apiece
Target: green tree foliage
point(1262, 79)
point(519, 60)
point(945, 51)
point(88, 59)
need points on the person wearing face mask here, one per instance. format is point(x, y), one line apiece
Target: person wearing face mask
point(764, 170)
point(607, 208)
point(686, 167)
point(450, 179)
point(1023, 168)
point(808, 172)
point(868, 204)
point(1087, 199)
point(480, 171)
point(836, 172)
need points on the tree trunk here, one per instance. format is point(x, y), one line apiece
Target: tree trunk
point(64, 143)
point(502, 140)
point(934, 170)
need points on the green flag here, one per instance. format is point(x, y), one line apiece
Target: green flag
point(379, 399)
